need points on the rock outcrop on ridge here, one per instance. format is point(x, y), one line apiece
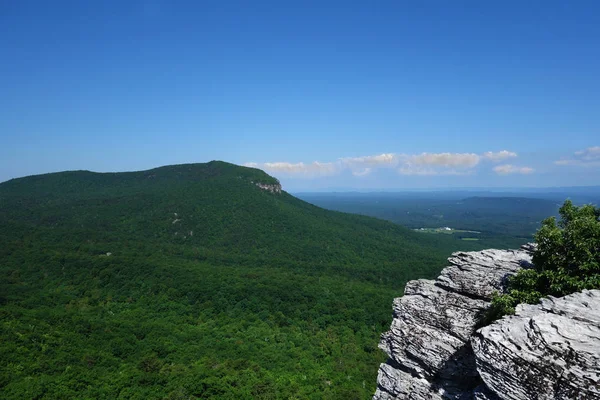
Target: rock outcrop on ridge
point(430, 356)
point(273, 188)
point(545, 351)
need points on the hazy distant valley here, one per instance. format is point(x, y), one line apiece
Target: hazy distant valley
point(492, 219)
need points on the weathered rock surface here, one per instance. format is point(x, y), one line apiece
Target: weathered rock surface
point(480, 274)
point(428, 344)
point(545, 351)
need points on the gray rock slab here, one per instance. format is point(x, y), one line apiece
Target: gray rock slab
point(428, 343)
point(545, 351)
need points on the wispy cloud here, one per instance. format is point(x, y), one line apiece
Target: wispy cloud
point(499, 155)
point(448, 160)
point(309, 170)
point(363, 172)
point(508, 169)
point(425, 164)
point(587, 157)
point(405, 164)
point(362, 166)
point(385, 159)
point(428, 171)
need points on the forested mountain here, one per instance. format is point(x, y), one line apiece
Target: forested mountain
point(194, 281)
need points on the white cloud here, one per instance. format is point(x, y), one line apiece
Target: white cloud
point(508, 169)
point(378, 160)
point(587, 157)
point(315, 167)
point(309, 170)
point(363, 172)
point(589, 154)
point(563, 162)
point(499, 155)
point(449, 160)
point(361, 166)
point(406, 164)
point(428, 171)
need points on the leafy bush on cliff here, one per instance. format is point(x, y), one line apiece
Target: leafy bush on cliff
point(567, 260)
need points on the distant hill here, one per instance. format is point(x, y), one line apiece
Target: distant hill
point(194, 281)
point(505, 221)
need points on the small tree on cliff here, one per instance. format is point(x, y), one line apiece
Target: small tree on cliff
point(567, 260)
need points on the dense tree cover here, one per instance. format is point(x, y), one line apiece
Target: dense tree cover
point(502, 222)
point(567, 260)
point(191, 282)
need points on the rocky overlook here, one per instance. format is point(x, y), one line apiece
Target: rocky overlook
point(545, 351)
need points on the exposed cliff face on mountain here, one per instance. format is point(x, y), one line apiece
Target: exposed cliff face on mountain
point(273, 188)
point(432, 338)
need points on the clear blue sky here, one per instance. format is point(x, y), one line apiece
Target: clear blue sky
point(381, 94)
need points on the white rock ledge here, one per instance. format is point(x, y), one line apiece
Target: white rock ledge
point(428, 345)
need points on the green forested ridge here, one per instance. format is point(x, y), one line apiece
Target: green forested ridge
point(189, 281)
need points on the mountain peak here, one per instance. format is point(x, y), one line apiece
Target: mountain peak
point(83, 181)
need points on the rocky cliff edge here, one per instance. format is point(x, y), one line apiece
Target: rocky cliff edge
point(546, 351)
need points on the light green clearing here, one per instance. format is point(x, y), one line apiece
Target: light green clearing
point(443, 230)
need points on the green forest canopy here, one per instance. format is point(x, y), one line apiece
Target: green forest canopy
point(189, 281)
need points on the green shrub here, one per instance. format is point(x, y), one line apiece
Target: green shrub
point(567, 260)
